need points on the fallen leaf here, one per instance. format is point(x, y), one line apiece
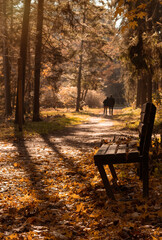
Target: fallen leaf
point(79, 207)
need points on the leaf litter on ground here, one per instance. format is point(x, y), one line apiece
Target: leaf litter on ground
point(51, 189)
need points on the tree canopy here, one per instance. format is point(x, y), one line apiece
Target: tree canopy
point(86, 45)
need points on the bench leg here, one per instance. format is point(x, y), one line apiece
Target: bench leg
point(106, 182)
point(112, 169)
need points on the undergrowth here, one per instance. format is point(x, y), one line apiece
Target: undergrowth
point(51, 122)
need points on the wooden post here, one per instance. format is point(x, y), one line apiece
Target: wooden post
point(20, 94)
point(106, 183)
point(112, 169)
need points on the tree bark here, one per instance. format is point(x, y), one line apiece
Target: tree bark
point(29, 82)
point(143, 88)
point(38, 54)
point(79, 79)
point(23, 57)
point(138, 93)
point(20, 94)
point(80, 69)
point(6, 64)
point(149, 80)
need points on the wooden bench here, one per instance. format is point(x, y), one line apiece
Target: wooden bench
point(117, 153)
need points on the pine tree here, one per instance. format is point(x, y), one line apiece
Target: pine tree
point(38, 54)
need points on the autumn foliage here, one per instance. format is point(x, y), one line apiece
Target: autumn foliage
point(51, 189)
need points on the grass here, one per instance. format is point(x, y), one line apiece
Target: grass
point(51, 125)
point(59, 119)
point(127, 118)
point(52, 121)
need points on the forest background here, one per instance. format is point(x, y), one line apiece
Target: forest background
point(74, 53)
point(58, 61)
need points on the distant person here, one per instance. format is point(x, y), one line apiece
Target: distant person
point(106, 105)
point(111, 105)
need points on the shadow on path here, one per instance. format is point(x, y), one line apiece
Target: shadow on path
point(32, 172)
point(67, 161)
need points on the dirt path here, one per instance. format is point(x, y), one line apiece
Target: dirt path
point(88, 135)
point(50, 189)
point(77, 138)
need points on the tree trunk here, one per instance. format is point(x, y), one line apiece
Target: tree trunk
point(149, 80)
point(13, 77)
point(138, 93)
point(79, 80)
point(143, 90)
point(84, 94)
point(143, 87)
point(80, 70)
point(6, 64)
point(38, 54)
point(29, 82)
point(20, 94)
point(23, 57)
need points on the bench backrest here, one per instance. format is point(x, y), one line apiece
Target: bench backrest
point(148, 111)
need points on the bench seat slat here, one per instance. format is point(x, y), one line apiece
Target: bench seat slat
point(122, 149)
point(103, 149)
point(112, 149)
point(132, 157)
point(117, 154)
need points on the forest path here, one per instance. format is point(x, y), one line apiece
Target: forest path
point(76, 138)
point(83, 137)
point(51, 189)
point(71, 143)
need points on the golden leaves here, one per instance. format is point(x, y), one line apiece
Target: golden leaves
point(142, 6)
point(16, 165)
point(118, 11)
point(141, 15)
point(13, 236)
point(75, 196)
point(94, 180)
point(131, 16)
point(133, 24)
point(95, 214)
point(79, 207)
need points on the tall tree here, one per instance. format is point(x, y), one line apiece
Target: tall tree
point(141, 19)
point(38, 54)
point(22, 65)
point(92, 42)
point(80, 66)
point(6, 63)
